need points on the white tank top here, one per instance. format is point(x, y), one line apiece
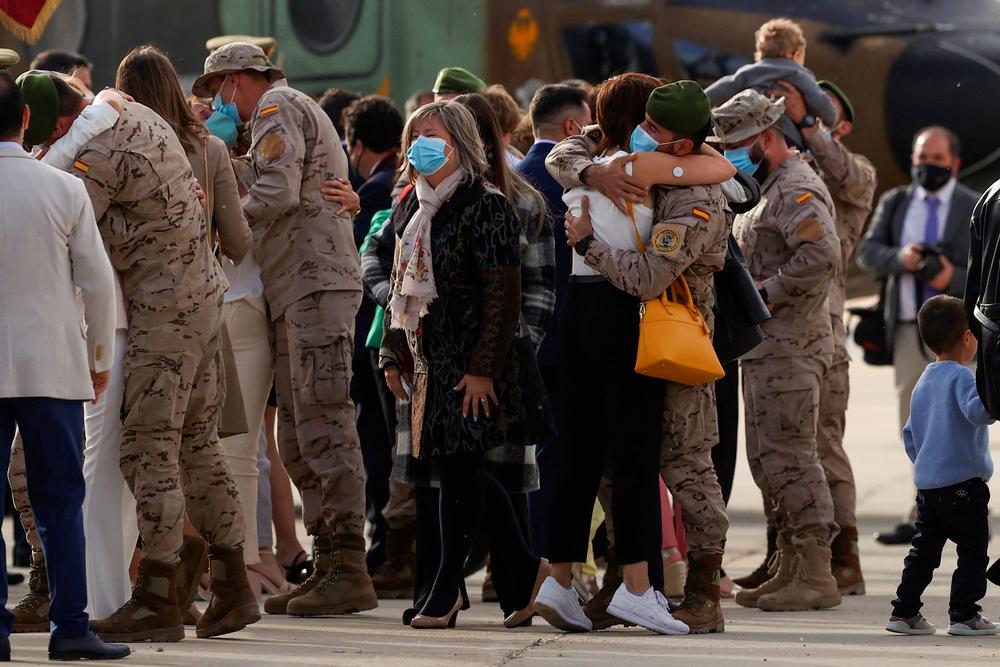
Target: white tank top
point(610, 225)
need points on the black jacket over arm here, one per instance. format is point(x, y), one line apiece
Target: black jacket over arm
point(982, 295)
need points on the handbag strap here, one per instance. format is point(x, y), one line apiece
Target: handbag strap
point(679, 291)
point(208, 190)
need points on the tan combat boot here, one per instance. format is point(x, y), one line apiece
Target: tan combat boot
point(346, 588)
point(700, 609)
point(812, 585)
point(194, 562)
point(846, 562)
point(151, 614)
point(394, 579)
point(32, 613)
point(233, 606)
point(761, 574)
point(322, 562)
point(780, 569)
point(596, 608)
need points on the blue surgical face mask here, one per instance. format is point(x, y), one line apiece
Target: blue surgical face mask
point(227, 108)
point(427, 154)
point(223, 127)
point(642, 142)
point(740, 158)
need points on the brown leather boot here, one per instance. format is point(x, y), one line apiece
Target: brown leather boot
point(761, 574)
point(394, 578)
point(194, 563)
point(812, 585)
point(233, 606)
point(780, 569)
point(322, 562)
point(346, 588)
point(32, 613)
point(846, 563)
point(700, 609)
point(596, 608)
point(151, 614)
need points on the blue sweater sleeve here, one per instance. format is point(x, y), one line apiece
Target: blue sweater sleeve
point(968, 397)
point(911, 450)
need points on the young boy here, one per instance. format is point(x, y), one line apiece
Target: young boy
point(780, 56)
point(947, 441)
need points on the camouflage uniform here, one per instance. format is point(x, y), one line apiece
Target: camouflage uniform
point(689, 233)
point(311, 275)
point(18, 479)
point(851, 180)
point(142, 190)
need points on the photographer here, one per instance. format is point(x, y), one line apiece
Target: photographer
point(918, 245)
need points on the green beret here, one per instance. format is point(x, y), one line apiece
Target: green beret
point(840, 95)
point(681, 106)
point(8, 58)
point(458, 80)
point(39, 92)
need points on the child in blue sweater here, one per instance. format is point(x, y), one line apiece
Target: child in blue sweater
point(947, 440)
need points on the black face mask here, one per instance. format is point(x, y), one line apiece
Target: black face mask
point(930, 176)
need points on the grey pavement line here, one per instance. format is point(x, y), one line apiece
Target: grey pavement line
point(520, 652)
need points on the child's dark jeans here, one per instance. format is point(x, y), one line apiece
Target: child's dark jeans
point(957, 513)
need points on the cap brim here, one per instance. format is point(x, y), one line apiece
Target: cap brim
point(199, 88)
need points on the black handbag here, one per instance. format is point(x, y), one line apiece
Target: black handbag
point(739, 310)
point(870, 333)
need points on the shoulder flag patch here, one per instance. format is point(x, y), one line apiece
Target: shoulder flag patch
point(700, 213)
point(81, 165)
point(803, 198)
point(267, 111)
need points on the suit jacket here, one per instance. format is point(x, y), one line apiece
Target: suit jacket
point(879, 251)
point(49, 247)
point(532, 167)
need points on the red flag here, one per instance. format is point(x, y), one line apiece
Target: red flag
point(26, 19)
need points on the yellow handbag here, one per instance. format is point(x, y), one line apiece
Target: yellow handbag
point(675, 343)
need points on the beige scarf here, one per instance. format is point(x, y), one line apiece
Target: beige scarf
point(413, 289)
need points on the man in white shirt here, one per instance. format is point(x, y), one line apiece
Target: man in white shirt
point(52, 362)
point(918, 245)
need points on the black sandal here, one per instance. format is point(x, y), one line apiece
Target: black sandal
point(300, 569)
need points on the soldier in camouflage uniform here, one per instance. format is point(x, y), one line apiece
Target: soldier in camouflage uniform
point(791, 246)
point(688, 237)
point(143, 194)
point(312, 283)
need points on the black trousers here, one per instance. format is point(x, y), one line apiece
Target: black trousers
point(727, 406)
point(957, 513)
point(549, 468)
point(609, 412)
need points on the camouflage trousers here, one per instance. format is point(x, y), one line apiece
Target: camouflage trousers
point(781, 398)
point(174, 387)
point(18, 478)
point(690, 430)
point(830, 443)
point(317, 438)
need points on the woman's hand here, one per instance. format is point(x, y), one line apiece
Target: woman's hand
point(339, 191)
point(478, 392)
point(394, 379)
point(579, 227)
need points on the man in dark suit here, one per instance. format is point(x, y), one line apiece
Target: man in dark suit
point(918, 245)
point(557, 111)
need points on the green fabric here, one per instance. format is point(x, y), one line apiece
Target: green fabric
point(40, 95)
point(681, 106)
point(840, 95)
point(379, 221)
point(458, 80)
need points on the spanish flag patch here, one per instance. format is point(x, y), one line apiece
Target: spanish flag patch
point(267, 111)
point(700, 213)
point(803, 198)
point(81, 165)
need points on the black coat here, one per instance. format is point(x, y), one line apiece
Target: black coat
point(982, 295)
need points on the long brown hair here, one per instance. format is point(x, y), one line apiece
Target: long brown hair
point(508, 181)
point(621, 105)
point(148, 75)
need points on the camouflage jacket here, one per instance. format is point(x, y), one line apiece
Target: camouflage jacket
point(300, 241)
point(142, 189)
point(689, 233)
point(791, 246)
point(851, 179)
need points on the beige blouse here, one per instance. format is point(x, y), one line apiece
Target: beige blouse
point(225, 213)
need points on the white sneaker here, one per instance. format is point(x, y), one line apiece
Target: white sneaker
point(650, 610)
point(561, 607)
point(974, 627)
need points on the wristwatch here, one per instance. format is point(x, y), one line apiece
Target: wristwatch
point(807, 121)
point(583, 245)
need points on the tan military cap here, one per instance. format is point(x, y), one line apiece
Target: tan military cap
point(267, 44)
point(234, 57)
point(744, 115)
point(8, 58)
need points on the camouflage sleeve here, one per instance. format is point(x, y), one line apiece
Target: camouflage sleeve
point(806, 224)
point(849, 176)
point(278, 152)
point(682, 232)
point(243, 167)
point(100, 169)
point(570, 157)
